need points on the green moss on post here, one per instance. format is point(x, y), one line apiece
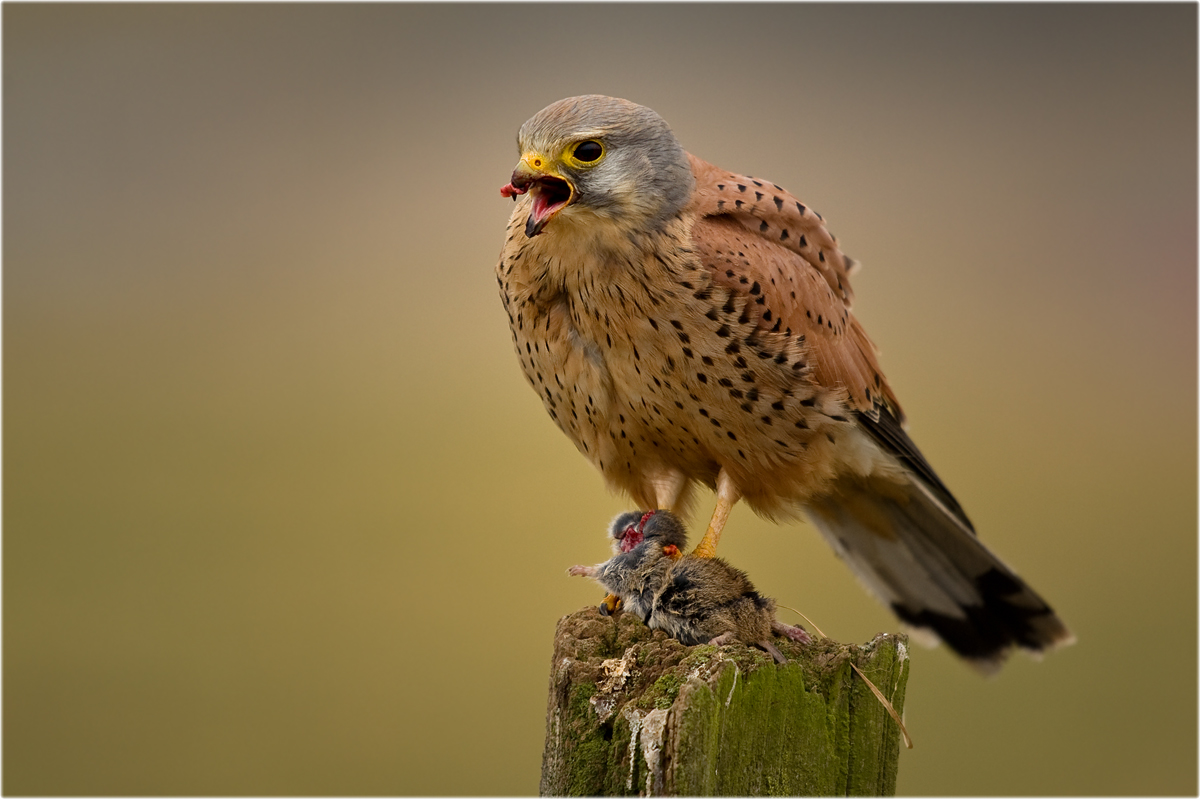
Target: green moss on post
point(634, 712)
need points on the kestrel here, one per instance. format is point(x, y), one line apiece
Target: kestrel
point(687, 325)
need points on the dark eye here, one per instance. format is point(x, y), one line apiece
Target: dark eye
point(588, 151)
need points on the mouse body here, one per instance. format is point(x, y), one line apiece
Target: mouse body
point(695, 600)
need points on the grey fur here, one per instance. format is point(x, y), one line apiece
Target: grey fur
point(694, 600)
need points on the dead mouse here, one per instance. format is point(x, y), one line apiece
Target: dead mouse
point(693, 599)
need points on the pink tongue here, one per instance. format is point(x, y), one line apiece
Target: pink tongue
point(542, 207)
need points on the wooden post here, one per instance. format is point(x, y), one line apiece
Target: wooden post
point(632, 711)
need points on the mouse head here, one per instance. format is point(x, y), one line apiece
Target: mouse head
point(663, 527)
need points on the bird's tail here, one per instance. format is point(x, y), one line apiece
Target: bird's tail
point(923, 561)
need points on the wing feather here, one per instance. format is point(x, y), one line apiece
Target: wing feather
point(763, 243)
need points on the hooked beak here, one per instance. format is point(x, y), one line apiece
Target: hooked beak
point(550, 192)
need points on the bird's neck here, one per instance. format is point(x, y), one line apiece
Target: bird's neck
point(575, 258)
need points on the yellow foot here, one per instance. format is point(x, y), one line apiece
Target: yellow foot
point(610, 605)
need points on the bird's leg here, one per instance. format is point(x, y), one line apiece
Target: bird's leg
point(610, 605)
point(668, 490)
point(727, 496)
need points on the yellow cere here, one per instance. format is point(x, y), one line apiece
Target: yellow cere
point(539, 162)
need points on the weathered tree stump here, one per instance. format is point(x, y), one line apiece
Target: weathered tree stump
point(632, 711)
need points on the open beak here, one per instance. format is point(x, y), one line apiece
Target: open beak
point(550, 192)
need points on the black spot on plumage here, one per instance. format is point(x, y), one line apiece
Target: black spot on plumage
point(735, 393)
point(721, 186)
point(821, 256)
point(684, 338)
point(763, 227)
point(803, 241)
point(766, 420)
point(687, 352)
point(653, 324)
point(738, 203)
point(725, 381)
point(778, 203)
point(739, 362)
point(755, 288)
point(733, 348)
point(783, 235)
point(706, 360)
point(732, 437)
point(748, 377)
point(752, 395)
point(747, 407)
point(703, 378)
point(729, 305)
point(758, 195)
point(741, 187)
point(720, 205)
point(808, 403)
point(711, 313)
point(766, 315)
point(723, 331)
point(803, 425)
point(704, 412)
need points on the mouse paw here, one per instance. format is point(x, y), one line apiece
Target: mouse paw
point(796, 633)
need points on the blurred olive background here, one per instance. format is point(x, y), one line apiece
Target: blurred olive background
point(281, 515)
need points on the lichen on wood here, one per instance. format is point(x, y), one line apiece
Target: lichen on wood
point(632, 711)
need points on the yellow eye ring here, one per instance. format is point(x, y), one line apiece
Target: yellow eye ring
point(586, 153)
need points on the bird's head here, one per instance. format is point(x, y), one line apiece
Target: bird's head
point(592, 157)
